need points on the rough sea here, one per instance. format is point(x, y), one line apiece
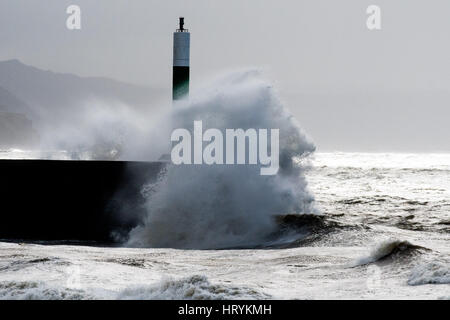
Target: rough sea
point(327, 226)
point(381, 231)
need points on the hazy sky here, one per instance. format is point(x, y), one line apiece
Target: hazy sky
point(350, 88)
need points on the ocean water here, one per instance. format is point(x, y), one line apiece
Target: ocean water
point(327, 226)
point(381, 230)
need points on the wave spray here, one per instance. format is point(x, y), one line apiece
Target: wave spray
point(219, 206)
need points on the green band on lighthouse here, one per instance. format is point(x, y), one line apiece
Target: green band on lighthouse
point(181, 49)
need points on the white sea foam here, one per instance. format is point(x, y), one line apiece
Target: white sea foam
point(196, 287)
point(368, 161)
point(201, 206)
point(38, 291)
point(434, 272)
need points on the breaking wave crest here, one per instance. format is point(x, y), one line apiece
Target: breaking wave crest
point(390, 248)
point(196, 287)
point(38, 291)
point(218, 206)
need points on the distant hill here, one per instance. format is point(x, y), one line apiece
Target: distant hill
point(70, 112)
point(16, 130)
point(10, 103)
point(47, 91)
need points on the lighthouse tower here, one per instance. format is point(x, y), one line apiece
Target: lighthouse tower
point(181, 48)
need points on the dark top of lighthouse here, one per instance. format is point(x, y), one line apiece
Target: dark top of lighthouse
point(182, 29)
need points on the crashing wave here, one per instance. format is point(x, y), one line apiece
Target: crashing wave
point(38, 291)
point(390, 248)
point(196, 287)
point(220, 206)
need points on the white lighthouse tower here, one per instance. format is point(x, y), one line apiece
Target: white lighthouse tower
point(181, 51)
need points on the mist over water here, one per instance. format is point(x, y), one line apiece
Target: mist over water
point(217, 206)
point(102, 129)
